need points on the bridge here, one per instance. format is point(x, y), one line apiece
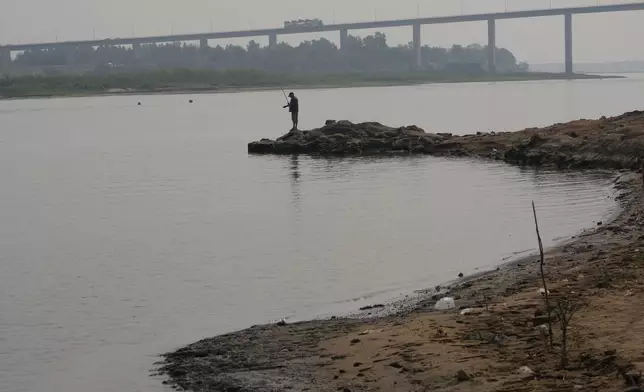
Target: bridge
point(415, 23)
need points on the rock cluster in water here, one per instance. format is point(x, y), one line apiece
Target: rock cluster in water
point(344, 137)
point(616, 142)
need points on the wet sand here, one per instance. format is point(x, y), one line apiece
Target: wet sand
point(409, 346)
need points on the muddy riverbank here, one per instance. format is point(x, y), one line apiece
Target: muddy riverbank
point(416, 348)
point(609, 143)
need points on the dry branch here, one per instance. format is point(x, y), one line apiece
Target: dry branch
point(543, 277)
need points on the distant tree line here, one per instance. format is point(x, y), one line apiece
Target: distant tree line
point(369, 54)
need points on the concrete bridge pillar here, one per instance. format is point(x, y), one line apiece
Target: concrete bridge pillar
point(491, 45)
point(272, 40)
point(136, 50)
point(5, 58)
point(202, 54)
point(417, 46)
point(70, 54)
point(568, 42)
point(344, 38)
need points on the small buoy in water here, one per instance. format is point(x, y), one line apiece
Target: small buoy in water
point(139, 103)
point(191, 101)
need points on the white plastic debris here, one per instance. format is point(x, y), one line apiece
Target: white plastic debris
point(542, 291)
point(466, 311)
point(367, 332)
point(525, 371)
point(543, 329)
point(445, 303)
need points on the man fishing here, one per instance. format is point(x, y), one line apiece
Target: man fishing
point(293, 107)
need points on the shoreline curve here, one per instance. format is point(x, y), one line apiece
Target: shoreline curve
point(419, 348)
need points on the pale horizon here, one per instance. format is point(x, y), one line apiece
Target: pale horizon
point(596, 38)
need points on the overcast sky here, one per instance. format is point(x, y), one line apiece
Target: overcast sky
point(605, 37)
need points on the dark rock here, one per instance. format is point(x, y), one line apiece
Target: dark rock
point(600, 223)
point(263, 146)
point(460, 275)
point(281, 323)
point(462, 376)
point(540, 318)
point(176, 373)
point(540, 321)
point(372, 307)
point(189, 354)
point(355, 341)
point(357, 364)
point(499, 340)
point(633, 378)
point(344, 137)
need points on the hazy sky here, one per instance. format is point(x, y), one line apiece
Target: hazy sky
point(605, 37)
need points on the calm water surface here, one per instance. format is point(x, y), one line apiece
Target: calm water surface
point(126, 231)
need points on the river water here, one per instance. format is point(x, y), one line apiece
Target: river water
point(130, 230)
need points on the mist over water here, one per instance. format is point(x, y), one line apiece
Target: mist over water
point(127, 231)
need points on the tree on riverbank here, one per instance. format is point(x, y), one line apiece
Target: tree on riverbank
point(369, 54)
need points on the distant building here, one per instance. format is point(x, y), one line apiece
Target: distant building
point(303, 23)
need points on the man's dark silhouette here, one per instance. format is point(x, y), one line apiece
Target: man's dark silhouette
point(293, 107)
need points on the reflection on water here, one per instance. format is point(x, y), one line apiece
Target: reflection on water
point(295, 182)
point(127, 231)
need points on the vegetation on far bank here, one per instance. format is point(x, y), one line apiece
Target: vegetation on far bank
point(368, 61)
point(369, 54)
point(208, 80)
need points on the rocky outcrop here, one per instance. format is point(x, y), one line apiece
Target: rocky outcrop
point(611, 143)
point(346, 138)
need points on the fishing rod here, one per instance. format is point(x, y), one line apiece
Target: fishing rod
point(285, 97)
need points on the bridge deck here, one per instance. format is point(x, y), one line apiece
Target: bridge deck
point(337, 27)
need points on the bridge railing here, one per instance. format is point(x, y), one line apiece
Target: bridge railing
point(473, 7)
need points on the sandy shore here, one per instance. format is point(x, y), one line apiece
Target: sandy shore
point(417, 348)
